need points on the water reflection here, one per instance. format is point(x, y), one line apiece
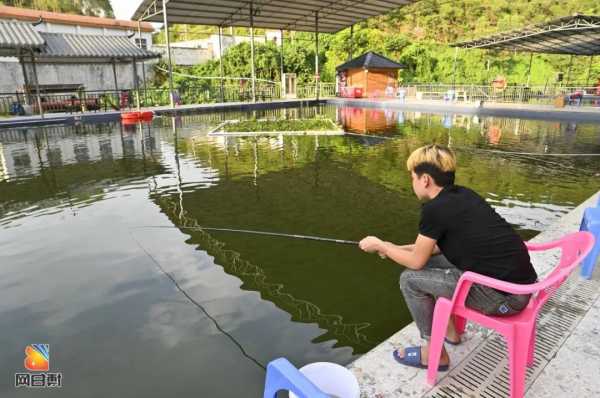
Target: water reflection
point(74, 200)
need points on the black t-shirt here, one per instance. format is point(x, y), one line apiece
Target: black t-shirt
point(474, 237)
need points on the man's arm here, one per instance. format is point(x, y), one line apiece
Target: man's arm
point(435, 252)
point(414, 259)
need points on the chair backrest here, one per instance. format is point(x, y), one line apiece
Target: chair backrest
point(574, 247)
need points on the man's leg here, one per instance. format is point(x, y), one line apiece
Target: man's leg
point(421, 289)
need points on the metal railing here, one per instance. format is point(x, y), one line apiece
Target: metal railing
point(543, 95)
point(105, 100)
point(73, 102)
point(308, 90)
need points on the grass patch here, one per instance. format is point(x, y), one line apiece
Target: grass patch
point(281, 125)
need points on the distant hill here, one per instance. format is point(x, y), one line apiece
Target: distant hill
point(96, 8)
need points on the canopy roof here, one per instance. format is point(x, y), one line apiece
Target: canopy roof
point(370, 60)
point(298, 15)
point(575, 35)
point(70, 46)
point(17, 35)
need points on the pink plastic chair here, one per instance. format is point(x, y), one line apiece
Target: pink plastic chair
point(518, 330)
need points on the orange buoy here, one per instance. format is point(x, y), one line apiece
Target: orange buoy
point(130, 115)
point(134, 117)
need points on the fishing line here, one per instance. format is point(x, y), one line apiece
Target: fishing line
point(369, 136)
point(247, 231)
point(537, 154)
point(197, 304)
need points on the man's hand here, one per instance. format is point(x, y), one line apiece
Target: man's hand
point(371, 244)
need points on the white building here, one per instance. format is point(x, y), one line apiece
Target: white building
point(194, 52)
point(90, 74)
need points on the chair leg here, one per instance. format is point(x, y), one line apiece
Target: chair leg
point(531, 351)
point(459, 324)
point(518, 351)
point(441, 316)
point(589, 262)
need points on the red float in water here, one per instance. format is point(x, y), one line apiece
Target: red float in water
point(134, 117)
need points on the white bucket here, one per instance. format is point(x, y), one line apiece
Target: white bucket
point(332, 379)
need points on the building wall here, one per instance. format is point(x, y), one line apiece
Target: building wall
point(379, 80)
point(92, 76)
point(194, 52)
point(356, 78)
point(185, 55)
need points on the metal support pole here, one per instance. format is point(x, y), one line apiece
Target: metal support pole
point(168, 41)
point(587, 80)
point(569, 71)
point(25, 80)
point(145, 84)
point(454, 68)
point(136, 84)
point(252, 51)
point(529, 69)
point(221, 62)
point(114, 66)
point(317, 77)
point(143, 66)
point(282, 90)
point(37, 85)
point(351, 42)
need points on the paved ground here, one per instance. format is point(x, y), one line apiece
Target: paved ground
point(526, 111)
point(570, 368)
point(61, 118)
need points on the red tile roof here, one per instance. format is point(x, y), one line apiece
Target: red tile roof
point(25, 14)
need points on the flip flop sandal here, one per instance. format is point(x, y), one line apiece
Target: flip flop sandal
point(452, 342)
point(412, 357)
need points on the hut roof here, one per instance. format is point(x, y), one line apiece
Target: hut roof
point(370, 60)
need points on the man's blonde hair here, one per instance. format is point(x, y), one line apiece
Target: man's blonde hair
point(436, 160)
point(441, 157)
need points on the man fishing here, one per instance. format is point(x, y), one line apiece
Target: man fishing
point(458, 231)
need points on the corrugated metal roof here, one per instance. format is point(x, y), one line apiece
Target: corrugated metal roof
point(26, 14)
point(19, 35)
point(298, 15)
point(66, 45)
point(370, 60)
point(573, 35)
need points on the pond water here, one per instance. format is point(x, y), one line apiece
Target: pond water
point(99, 258)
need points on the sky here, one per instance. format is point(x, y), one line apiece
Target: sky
point(124, 9)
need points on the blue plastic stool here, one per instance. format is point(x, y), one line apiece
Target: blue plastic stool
point(591, 223)
point(282, 375)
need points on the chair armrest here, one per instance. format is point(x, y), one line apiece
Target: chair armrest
point(468, 278)
point(532, 247)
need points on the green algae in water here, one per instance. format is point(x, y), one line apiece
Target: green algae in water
point(281, 125)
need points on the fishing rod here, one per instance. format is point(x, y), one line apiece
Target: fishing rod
point(247, 231)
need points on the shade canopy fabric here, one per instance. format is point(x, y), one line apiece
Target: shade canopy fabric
point(370, 60)
point(298, 15)
point(574, 35)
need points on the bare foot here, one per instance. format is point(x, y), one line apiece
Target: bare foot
point(444, 359)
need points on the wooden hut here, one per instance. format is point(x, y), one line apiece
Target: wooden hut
point(370, 75)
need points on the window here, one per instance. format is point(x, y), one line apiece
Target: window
point(141, 43)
